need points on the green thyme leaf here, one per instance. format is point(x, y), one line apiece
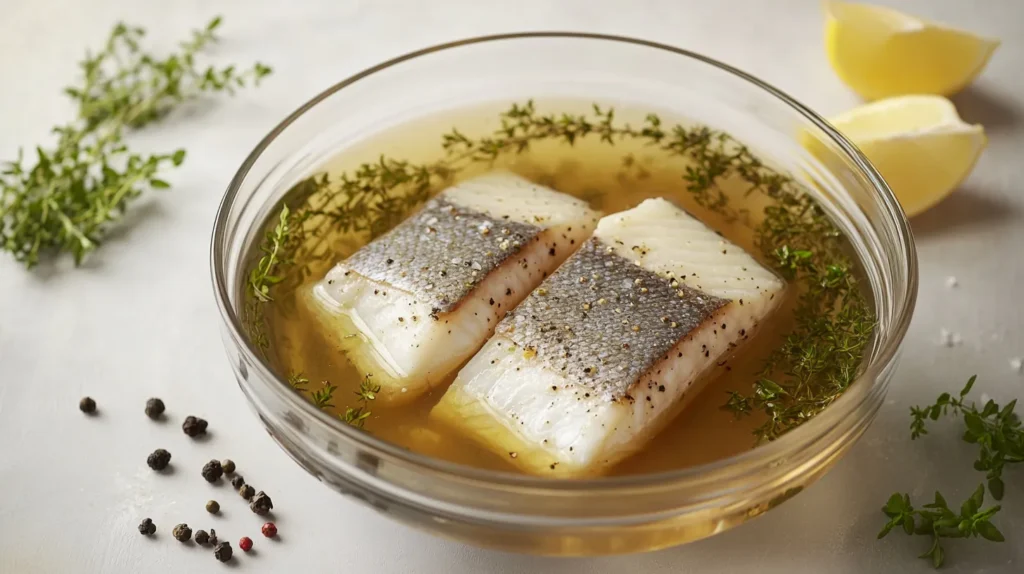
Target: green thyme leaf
point(997, 432)
point(64, 198)
point(834, 321)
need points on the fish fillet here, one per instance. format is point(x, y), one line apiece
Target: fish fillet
point(607, 350)
point(414, 304)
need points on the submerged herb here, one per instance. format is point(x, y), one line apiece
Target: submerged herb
point(834, 322)
point(298, 381)
point(357, 416)
point(64, 198)
point(322, 397)
point(939, 521)
point(819, 358)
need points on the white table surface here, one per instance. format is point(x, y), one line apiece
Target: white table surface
point(139, 320)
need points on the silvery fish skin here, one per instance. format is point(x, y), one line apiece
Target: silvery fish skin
point(417, 256)
point(411, 306)
point(602, 355)
point(602, 321)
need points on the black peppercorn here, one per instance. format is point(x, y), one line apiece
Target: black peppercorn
point(154, 408)
point(247, 492)
point(212, 471)
point(147, 527)
point(182, 533)
point(237, 482)
point(202, 537)
point(228, 465)
point(213, 537)
point(194, 426)
point(261, 504)
point(87, 405)
point(158, 459)
point(213, 507)
point(223, 552)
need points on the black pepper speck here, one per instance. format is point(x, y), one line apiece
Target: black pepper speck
point(223, 552)
point(154, 408)
point(212, 471)
point(158, 459)
point(146, 527)
point(194, 426)
point(87, 405)
point(261, 504)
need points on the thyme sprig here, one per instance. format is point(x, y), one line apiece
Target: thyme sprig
point(323, 398)
point(63, 198)
point(357, 416)
point(820, 357)
point(938, 521)
point(996, 430)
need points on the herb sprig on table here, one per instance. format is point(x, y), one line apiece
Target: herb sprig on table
point(821, 355)
point(64, 197)
point(997, 432)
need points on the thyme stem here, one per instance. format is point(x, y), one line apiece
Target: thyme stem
point(66, 200)
point(819, 358)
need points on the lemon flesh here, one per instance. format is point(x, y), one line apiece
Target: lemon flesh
point(919, 145)
point(880, 52)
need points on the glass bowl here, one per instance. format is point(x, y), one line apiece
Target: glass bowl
point(546, 516)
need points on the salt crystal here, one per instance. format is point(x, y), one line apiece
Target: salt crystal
point(476, 266)
point(945, 337)
point(456, 260)
point(951, 282)
point(1017, 364)
point(948, 338)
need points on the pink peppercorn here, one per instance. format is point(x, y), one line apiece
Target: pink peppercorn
point(245, 544)
point(269, 530)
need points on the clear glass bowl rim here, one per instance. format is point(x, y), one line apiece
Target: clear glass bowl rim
point(804, 435)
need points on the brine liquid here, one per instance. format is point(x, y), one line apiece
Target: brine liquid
point(611, 178)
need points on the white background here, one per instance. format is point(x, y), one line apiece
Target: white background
point(139, 320)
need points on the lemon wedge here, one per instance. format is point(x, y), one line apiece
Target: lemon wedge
point(918, 143)
point(880, 52)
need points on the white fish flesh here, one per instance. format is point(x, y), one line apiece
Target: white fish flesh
point(612, 345)
point(411, 306)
